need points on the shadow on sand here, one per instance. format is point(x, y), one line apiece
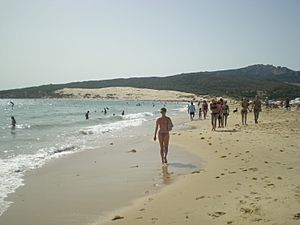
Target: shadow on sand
point(232, 130)
point(182, 165)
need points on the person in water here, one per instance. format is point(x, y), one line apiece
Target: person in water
point(13, 122)
point(87, 115)
point(164, 124)
point(12, 104)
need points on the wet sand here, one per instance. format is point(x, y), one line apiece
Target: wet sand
point(251, 176)
point(83, 187)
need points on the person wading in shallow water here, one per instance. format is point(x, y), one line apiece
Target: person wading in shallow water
point(165, 125)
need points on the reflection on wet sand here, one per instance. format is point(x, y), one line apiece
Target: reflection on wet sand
point(13, 130)
point(167, 179)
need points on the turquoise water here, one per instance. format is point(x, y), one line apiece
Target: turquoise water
point(49, 128)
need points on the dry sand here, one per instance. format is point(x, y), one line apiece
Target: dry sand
point(251, 176)
point(126, 93)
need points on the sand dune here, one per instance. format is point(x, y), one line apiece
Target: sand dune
point(126, 93)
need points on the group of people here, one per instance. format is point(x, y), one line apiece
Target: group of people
point(220, 111)
point(219, 115)
point(87, 114)
point(201, 109)
point(246, 107)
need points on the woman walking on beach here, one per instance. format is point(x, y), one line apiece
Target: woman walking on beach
point(220, 107)
point(256, 106)
point(204, 108)
point(225, 113)
point(165, 125)
point(214, 114)
point(245, 107)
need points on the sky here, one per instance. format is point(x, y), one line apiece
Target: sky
point(60, 41)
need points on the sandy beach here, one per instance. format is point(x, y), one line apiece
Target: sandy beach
point(251, 175)
point(248, 175)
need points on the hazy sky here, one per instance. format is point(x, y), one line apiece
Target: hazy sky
point(59, 41)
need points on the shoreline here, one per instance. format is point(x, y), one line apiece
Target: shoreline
point(57, 185)
point(249, 174)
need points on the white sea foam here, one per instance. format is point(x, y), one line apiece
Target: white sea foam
point(13, 169)
point(130, 120)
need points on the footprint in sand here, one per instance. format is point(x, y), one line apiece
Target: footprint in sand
point(246, 210)
point(200, 197)
point(216, 214)
point(296, 216)
point(118, 218)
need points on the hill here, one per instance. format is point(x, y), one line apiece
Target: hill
point(274, 82)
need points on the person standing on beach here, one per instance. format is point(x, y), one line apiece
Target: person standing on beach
point(191, 110)
point(214, 114)
point(199, 110)
point(225, 113)
point(287, 104)
point(244, 111)
point(164, 124)
point(256, 108)
point(220, 107)
point(204, 108)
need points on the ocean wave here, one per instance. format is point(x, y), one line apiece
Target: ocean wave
point(130, 120)
point(104, 128)
point(138, 115)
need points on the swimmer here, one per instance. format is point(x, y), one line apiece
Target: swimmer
point(12, 104)
point(87, 115)
point(13, 122)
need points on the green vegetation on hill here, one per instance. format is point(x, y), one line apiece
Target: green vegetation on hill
point(275, 82)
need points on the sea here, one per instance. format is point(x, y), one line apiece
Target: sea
point(50, 128)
